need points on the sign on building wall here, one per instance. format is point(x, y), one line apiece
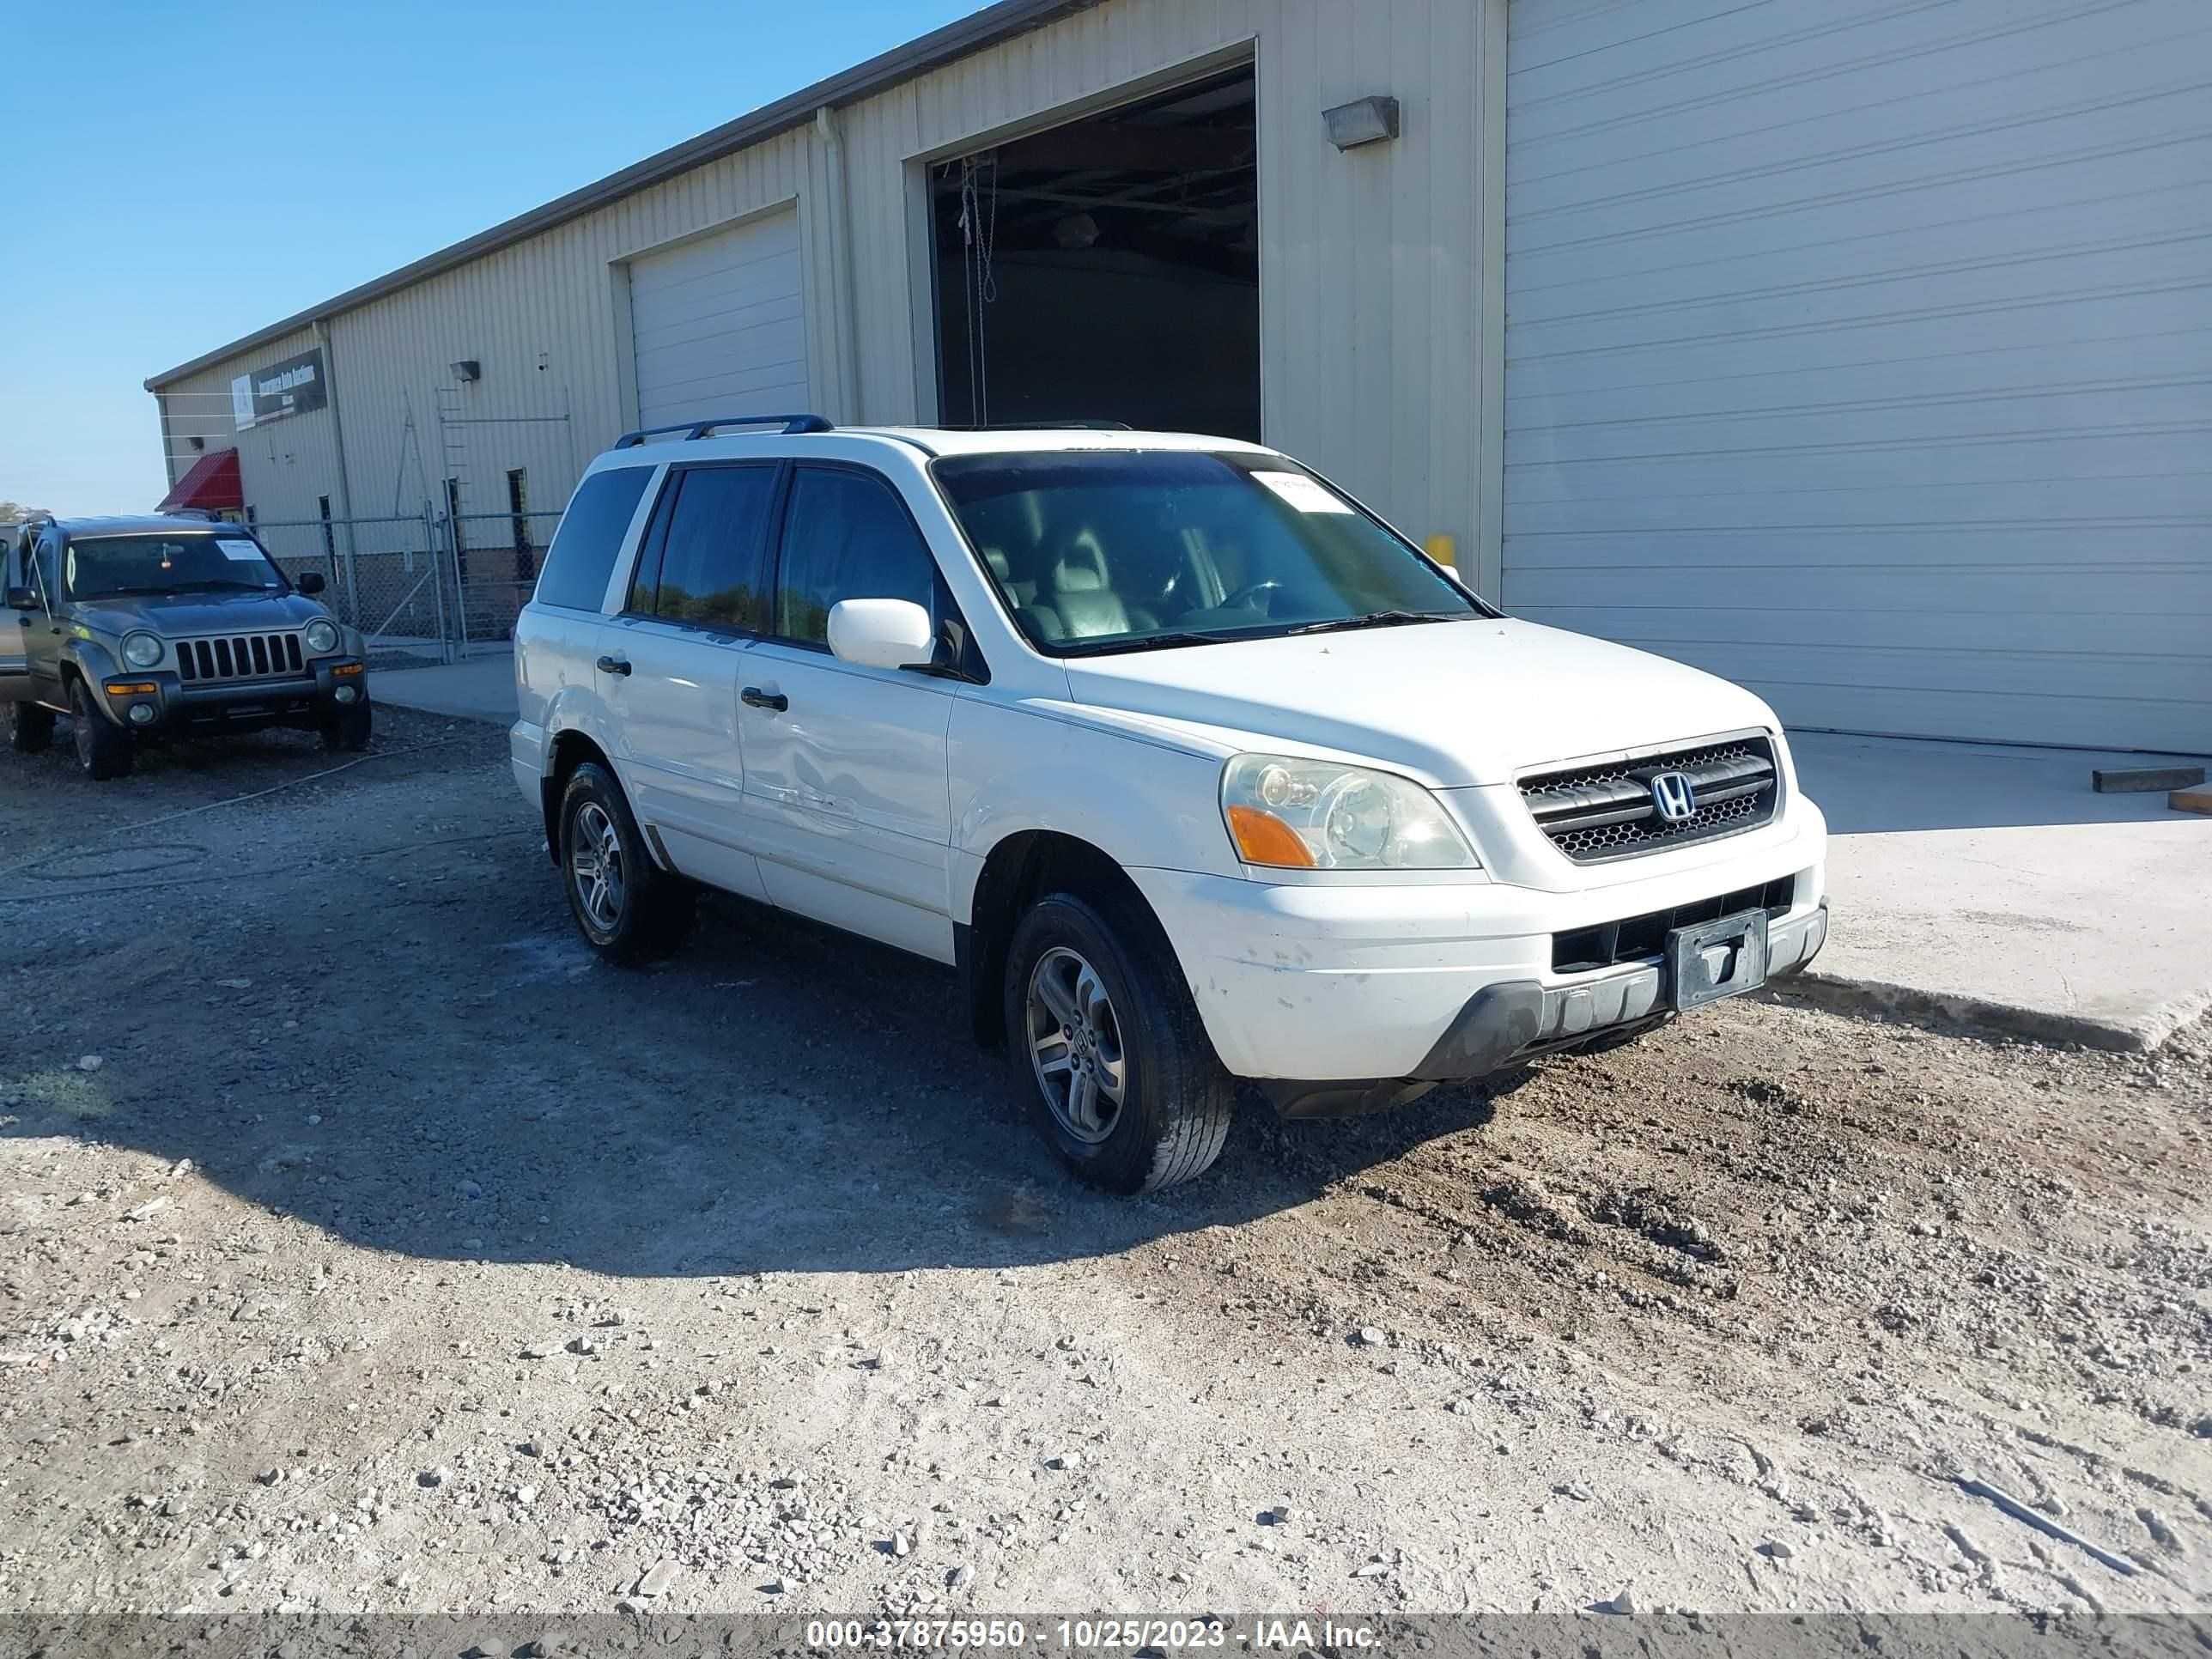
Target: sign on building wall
point(291, 388)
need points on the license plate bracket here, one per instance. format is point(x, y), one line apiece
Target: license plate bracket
point(1715, 959)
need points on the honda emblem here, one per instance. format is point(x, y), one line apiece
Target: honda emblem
point(1674, 797)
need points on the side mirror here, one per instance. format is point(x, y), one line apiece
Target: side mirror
point(310, 583)
point(22, 599)
point(882, 634)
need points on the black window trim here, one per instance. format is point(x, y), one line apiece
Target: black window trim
point(972, 669)
point(654, 544)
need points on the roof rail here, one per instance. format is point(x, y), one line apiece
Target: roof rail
point(792, 425)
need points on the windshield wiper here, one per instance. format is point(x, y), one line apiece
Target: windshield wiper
point(1375, 619)
point(1152, 642)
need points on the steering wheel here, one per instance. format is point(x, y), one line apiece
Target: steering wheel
point(1250, 592)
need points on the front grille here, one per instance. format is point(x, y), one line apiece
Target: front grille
point(1639, 938)
point(239, 657)
point(1594, 814)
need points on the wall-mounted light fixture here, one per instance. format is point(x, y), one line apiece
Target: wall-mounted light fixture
point(468, 369)
point(198, 443)
point(1363, 121)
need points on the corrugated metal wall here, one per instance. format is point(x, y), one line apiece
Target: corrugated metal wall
point(1379, 326)
point(284, 464)
point(1858, 352)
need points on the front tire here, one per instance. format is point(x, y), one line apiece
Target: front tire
point(30, 728)
point(626, 907)
point(1109, 1048)
point(349, 728)
point(104, 750)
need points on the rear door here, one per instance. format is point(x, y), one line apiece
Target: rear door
point(845, 767)
point(698, 597)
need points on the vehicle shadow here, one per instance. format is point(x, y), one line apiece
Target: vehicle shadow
point(778, 1097)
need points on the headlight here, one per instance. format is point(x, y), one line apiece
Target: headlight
point(1318, 815)
point(322, 637)
point(141, 650)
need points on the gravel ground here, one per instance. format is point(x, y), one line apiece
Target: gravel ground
point(365, 1245)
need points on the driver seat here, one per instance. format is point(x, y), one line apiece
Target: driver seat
point(1081, 595)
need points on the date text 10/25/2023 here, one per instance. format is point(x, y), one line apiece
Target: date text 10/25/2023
point(1108, 1634)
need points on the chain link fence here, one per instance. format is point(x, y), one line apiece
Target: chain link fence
point(425, 580)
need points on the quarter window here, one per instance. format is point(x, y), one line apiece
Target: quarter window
point(848, 536)
point(709, 559)
point(591, 535)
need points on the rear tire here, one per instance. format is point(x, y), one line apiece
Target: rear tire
point(104, 750)
point(1108, 1047)
point(628, 908)
point(30, 728)
point(349, 728)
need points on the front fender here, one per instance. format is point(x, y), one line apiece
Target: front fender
point(1145, 803)
point(91, 658)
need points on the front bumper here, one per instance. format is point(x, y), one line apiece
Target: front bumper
point(305, 701)
point(1390, 987)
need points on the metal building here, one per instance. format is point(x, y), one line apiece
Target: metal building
point(1856, 349)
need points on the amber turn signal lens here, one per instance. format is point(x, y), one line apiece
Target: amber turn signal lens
point(345, 668)
point(1263, 838)
point(132, 688)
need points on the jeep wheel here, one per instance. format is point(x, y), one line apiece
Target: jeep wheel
point(30, 728)
point(628, 908)
point(1109, 1048)
point(103, 749)
point(348, 729)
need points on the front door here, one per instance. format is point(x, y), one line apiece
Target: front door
point(698, 598)
point(15, 622)
point(44, 635)
point(845, 767)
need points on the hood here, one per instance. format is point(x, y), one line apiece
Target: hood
point(182, 616)
point(1453, 703)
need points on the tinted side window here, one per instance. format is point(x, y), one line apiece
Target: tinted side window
point(846, 537)
point(582, 556)
point(710, 561)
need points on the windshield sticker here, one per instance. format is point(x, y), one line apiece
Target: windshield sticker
point(244, 552)
point(1301, 492)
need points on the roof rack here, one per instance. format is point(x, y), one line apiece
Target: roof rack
point(792, 425)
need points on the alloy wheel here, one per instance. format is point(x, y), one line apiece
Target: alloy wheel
point(595, 865)
point(1075, 1045)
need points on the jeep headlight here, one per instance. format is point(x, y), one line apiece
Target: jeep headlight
point(322, 636)
point(141, 650)
point(1318, 815)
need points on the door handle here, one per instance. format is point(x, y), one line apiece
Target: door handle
point(614, 666)
point(753, 698)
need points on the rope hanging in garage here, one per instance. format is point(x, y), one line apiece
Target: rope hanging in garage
point(979, 231)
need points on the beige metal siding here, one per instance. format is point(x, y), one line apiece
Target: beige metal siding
point(1375, 305)
point(283, 464)
point(1860, 352)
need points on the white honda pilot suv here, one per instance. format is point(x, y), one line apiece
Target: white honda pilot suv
point(1195, 769)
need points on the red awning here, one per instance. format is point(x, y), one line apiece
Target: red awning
point(212, 483)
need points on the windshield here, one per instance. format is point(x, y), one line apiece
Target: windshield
point(1117, 550)
point(108, 567)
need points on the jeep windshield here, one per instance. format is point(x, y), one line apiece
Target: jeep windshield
point(117, 566)
point(1101, 552)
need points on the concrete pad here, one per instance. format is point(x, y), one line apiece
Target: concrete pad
point(480, 689)
point(1994, 887)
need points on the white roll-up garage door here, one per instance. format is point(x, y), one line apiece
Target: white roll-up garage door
point(1862, 351)
point(719, 324)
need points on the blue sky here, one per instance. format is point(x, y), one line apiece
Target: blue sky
point(181, 176)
